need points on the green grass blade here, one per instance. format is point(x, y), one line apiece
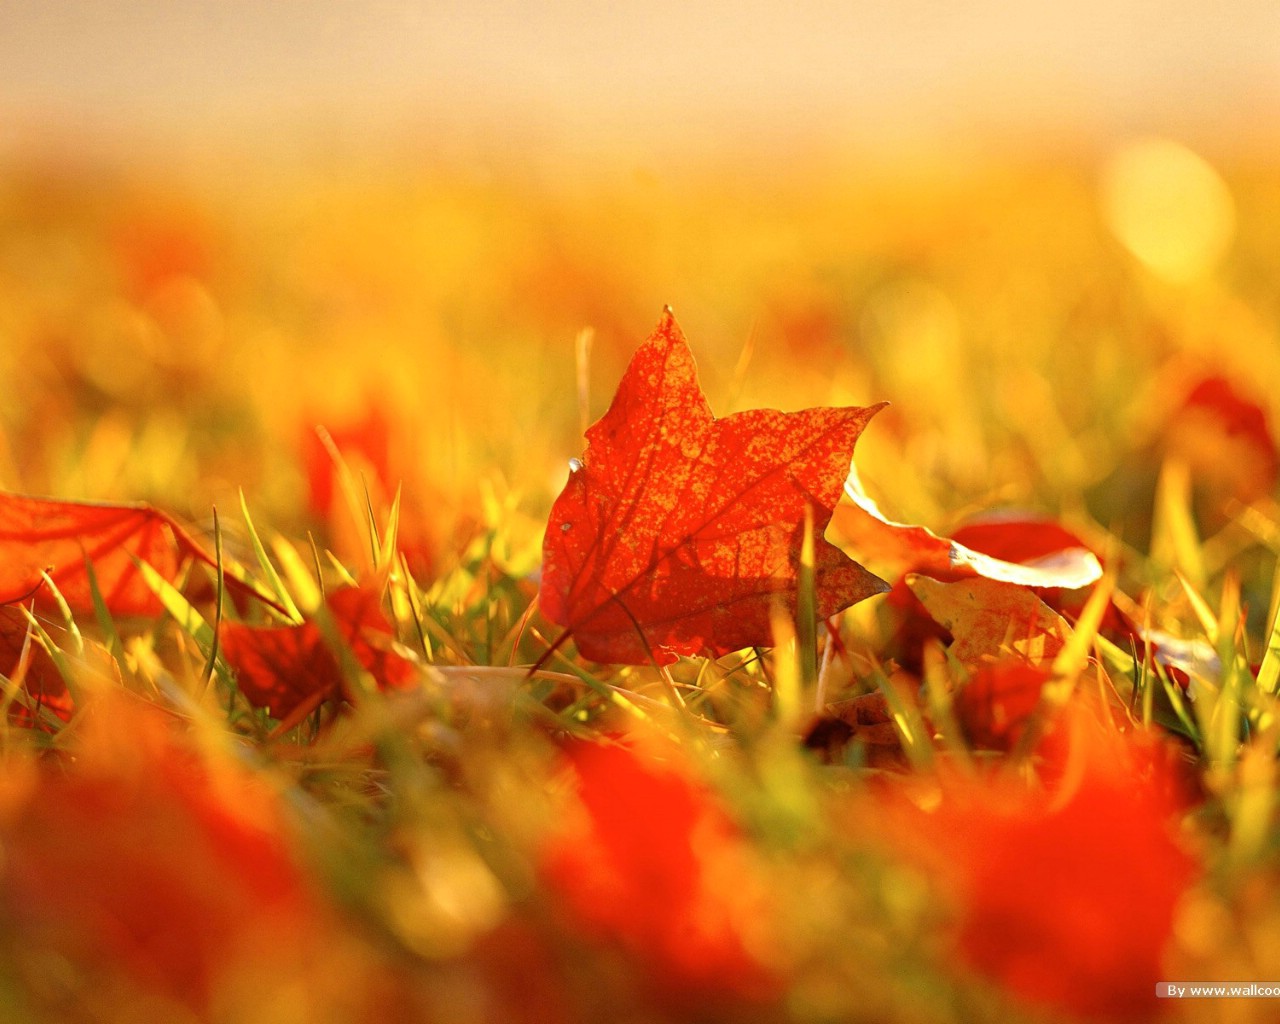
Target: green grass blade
point(188, 618)
point(391, 536)
point(268, 567)
point(59, 658)
point(219, 597)
point(916, 741)
point(1269, 671)
point(184, 613)
point(106, 621)
point(64, 610)
point(807, 609)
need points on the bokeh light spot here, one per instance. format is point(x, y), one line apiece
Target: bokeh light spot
point(1169, 207)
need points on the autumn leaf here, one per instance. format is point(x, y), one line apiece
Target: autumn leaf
point(284, 667)
point(138, 856)
point(1224, 437)
point(649, 860)
point(866, 719)
point(901, 547)
point(679, 533)
point(988, 618)
point(996, 703)
point(1038, 879)
point(44, 535)
point(1013, 536)
point(999, 544)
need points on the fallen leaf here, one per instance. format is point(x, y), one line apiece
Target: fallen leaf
point(651, 862)
point(58, 537)
point(900, 547)
point(283, 667)
point(1224, 437)
point(1038, 878)
point(1014, 536)
point(999, 698)
point(865, 719)
point(679, 533)
point(1002, 537)
point(138, 856)
point(988, 618)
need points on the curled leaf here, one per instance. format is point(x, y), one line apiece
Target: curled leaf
point(902, 547)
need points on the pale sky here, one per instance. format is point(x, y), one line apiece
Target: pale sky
point(855, 69)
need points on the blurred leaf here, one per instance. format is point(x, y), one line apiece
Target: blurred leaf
point(284, 667)
point(44, 535)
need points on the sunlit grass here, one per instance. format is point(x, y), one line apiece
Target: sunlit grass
point(1035, 331)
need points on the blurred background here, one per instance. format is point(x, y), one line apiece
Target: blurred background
point(1035, 228)
point(580, 78)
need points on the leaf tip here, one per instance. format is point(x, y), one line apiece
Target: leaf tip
point(667, 324)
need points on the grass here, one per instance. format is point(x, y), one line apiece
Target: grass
point(182, 350)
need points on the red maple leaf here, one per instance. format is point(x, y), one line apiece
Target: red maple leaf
point(59, 537)
point(284, 667)
point(679, 533)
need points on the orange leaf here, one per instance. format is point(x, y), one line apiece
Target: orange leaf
point(1039, 880)
point(678, 533)
point(988, 618)
point(655, 865)
point(58, 537)
point(142, 857)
